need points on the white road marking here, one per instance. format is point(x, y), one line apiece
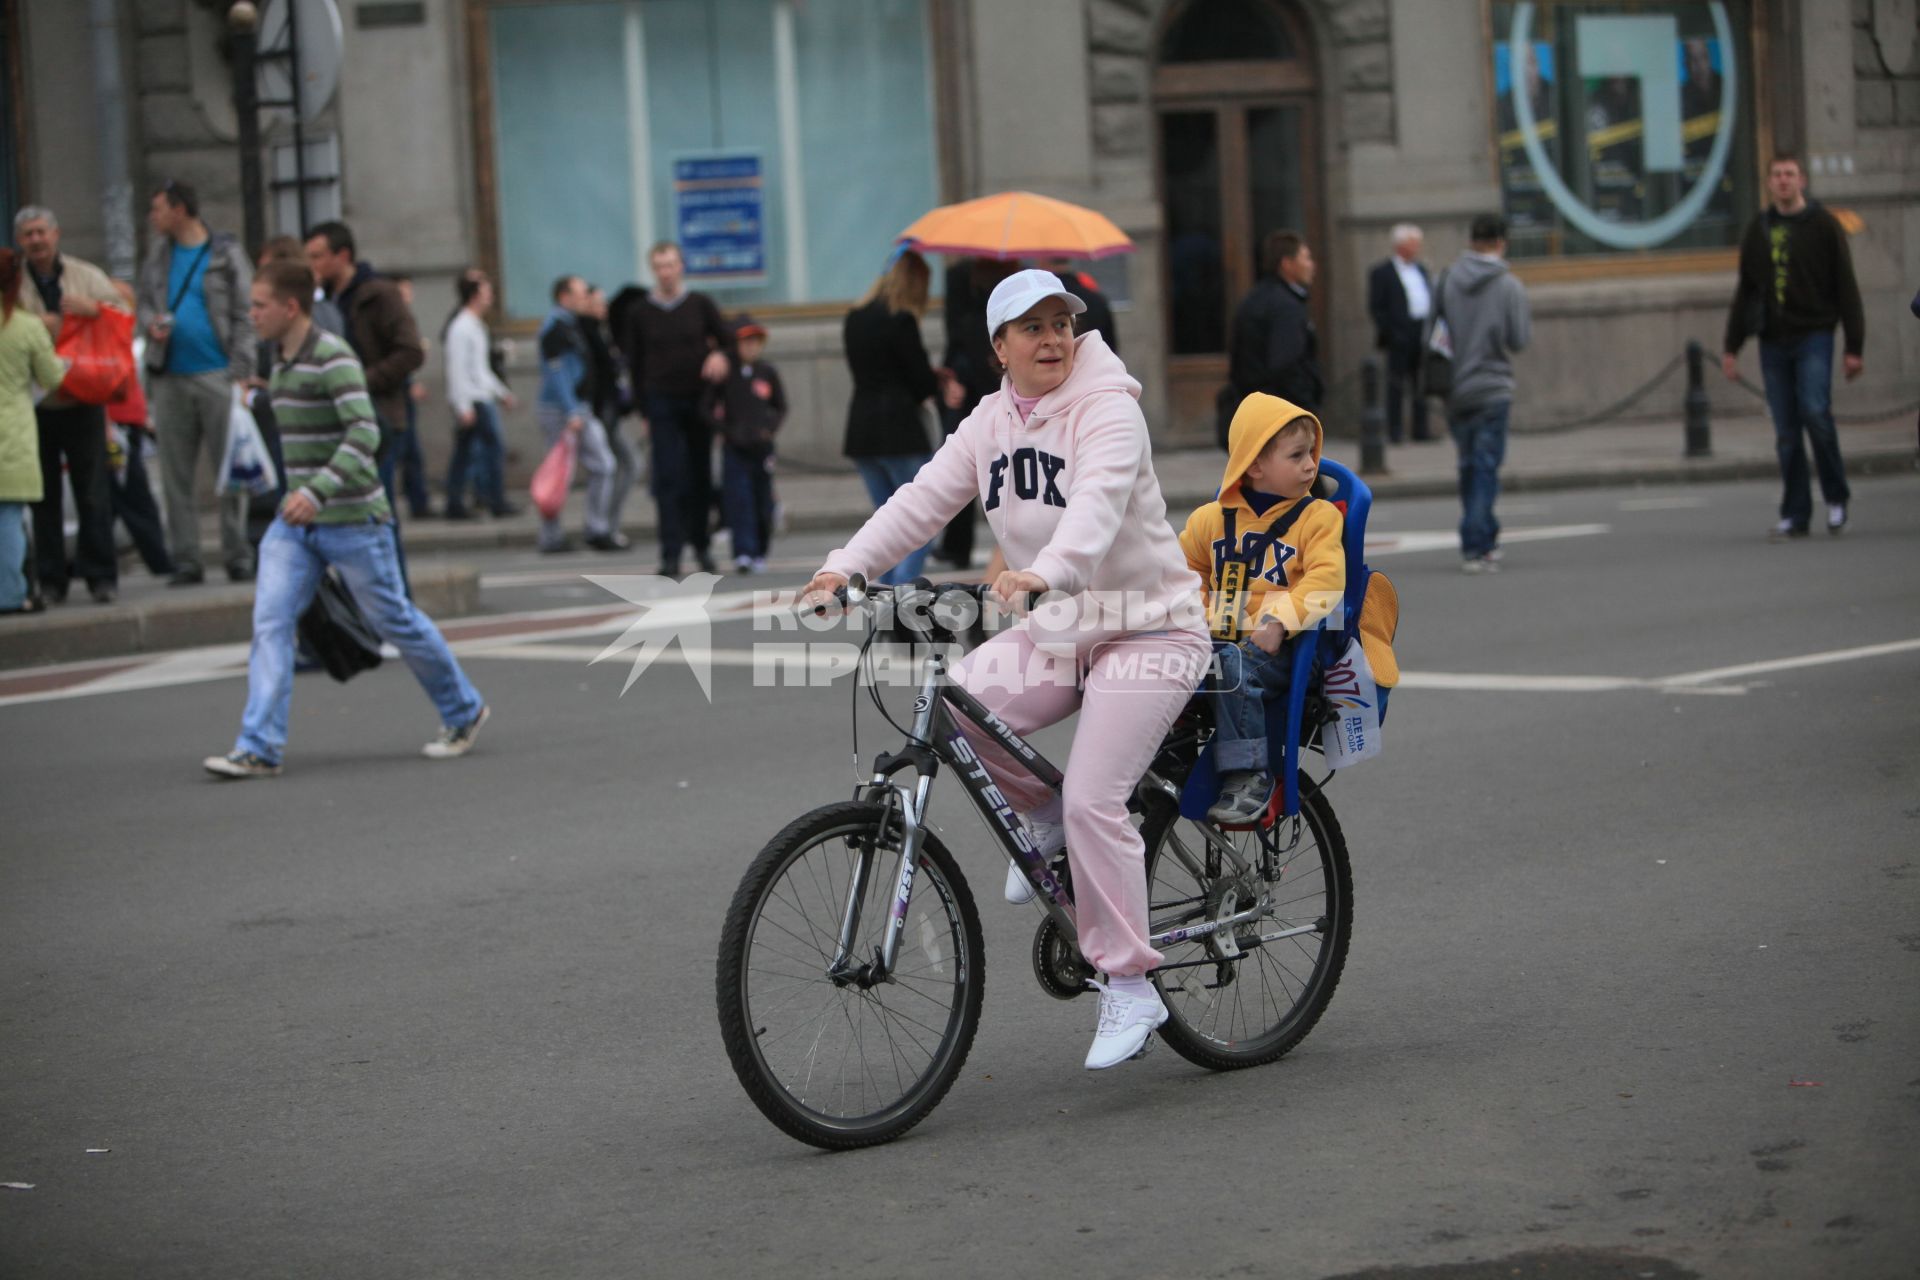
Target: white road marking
point(1482, 683)
point(219, 662)
point(1389, 544)
point(1718, 674)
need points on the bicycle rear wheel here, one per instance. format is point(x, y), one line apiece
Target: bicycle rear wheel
point(1248, 1010)
point(830, 1061)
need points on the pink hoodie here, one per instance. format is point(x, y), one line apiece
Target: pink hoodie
point(1070, 494)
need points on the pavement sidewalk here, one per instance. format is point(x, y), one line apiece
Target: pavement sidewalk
point(149, 618)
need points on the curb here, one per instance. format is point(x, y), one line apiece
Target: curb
point(182, 620)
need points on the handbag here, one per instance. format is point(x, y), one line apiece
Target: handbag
point(247, 467)
point(554, 476)
point(1436, 364)
point(99, 354)
point(336, 632)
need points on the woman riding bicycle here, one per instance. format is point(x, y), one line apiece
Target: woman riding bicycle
point(1059, 457)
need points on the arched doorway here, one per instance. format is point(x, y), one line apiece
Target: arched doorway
point(1236, 105)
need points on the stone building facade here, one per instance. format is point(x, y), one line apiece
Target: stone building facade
point(1191, 123)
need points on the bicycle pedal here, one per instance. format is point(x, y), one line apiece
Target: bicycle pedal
point(1144, 1046)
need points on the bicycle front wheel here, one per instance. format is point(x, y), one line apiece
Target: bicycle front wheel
point(837, 1059)
point(1241, 1010)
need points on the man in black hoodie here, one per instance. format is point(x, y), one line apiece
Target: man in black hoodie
point(1796, 283)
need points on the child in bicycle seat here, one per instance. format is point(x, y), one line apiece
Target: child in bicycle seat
point(1270, 554)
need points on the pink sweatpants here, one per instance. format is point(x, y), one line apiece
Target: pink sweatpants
point(1128, 688)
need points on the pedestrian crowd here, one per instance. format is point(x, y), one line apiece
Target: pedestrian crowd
point(316, 353)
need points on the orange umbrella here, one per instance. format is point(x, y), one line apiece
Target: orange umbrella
point(1017, 224)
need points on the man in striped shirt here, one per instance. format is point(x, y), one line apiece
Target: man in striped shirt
point(335, 515)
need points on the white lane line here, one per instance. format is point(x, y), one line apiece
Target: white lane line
point(1718, 674)
point(782, 651)
point(1391, 544)
point(1494, 683)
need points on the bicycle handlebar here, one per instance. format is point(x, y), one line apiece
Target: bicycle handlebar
point(858, 593)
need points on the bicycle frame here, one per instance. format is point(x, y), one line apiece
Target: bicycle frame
point(936, 738)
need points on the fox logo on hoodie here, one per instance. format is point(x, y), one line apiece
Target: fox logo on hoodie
point(1267, 563)
point(1036, 474)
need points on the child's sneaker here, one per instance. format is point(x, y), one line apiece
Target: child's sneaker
point(1787, 529)
point(1836, 517)
point(1244, 796)
point(455, 742)
point(240, 764)
point(1049, 838)
point(1127, 1021)
point(743, 564)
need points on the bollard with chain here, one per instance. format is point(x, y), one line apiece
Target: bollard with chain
point(1373, 420)
point(1699, 425)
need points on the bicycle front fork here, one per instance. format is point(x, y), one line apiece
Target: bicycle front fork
point(910, 808)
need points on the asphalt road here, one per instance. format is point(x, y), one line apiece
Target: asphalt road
point(1631, 990)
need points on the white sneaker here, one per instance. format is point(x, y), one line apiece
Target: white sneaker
point(1836, 517)
point(1049, 838)
point(455, 742)
point(1126, 1022)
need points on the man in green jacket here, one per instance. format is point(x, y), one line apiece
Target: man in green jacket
point(335, 515)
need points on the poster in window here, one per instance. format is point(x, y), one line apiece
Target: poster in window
point(719, 217)
point(1529, 210)
point(1701, 87)
point(1637, 141)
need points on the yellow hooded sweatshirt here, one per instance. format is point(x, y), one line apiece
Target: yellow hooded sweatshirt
point(1298, 579)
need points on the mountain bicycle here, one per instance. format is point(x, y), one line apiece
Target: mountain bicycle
point(851, 966)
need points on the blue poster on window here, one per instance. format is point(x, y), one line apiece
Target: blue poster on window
point(718, 217)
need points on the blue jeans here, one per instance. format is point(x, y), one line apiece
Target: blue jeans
point(1799, 378)
point(883, 475)
point(13, 554)
point(478, 454)
point(1245, 678)
point(291, 562)
point(746, 495)
point(1480, 438)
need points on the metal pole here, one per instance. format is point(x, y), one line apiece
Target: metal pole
point(243, 36)
point(110, 111)
point(1699, 425)
point(1373, 420)
point(299, 132)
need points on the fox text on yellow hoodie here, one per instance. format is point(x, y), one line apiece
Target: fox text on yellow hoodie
point(1297, 578)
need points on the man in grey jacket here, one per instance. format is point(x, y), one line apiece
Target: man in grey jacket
point(1487, 320)
point(194, 291)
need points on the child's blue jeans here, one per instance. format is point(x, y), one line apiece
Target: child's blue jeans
point(1245, 678)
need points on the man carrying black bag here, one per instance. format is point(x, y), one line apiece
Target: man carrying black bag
point(335, 516)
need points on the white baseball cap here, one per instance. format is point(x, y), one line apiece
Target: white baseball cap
point(1022, 291)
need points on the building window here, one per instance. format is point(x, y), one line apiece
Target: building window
point(783, 142)
point(1623, 127)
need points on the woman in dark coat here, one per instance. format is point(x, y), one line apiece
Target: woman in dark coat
point(887, 435)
